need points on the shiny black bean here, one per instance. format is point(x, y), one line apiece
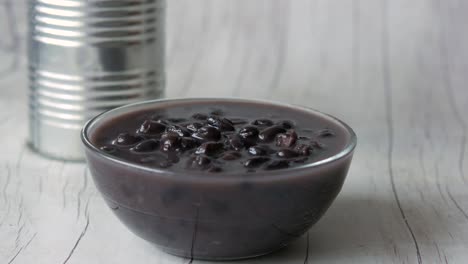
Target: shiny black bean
point(146, 146)
point(108, 149)
point(210, 148)
point(287, 139)
point(248, 132)
point(188, 143)
point(269, 134)
point(181, 131)
point(170, 141)
point(231, 155)
point(125, 139)
point(255, 162)
point(287, 153)
point(222, 124)
point(150, 127)
point(201, 161)
point(236, 142)
point(259, 150)
point(207, 133)
point(193, 127)
point(303, 149)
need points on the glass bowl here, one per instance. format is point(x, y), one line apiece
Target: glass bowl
point(219, 218)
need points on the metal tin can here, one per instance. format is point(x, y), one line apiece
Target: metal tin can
point(88, 56)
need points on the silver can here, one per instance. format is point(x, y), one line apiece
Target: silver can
point(88, 56)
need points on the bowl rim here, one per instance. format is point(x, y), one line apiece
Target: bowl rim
point(200, 175)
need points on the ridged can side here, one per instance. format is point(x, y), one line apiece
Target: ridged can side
point(86, 57)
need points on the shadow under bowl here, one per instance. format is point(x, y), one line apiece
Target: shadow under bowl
point(217, 218)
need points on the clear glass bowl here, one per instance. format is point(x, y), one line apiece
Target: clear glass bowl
point(192, 215)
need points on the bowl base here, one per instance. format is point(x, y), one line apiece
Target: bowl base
point(219, 258)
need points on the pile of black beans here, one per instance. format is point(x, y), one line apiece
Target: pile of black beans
point(211, 141)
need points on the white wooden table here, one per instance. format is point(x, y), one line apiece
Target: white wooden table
point(395, 70)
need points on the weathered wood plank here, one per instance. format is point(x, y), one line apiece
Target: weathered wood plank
point(394, 70)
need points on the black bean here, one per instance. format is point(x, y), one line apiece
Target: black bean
point(231, 155)
point(207, 133)
point(194, 126)
point(108, 149)
point(259, 150)
point(248, 132)
point(210, 148)
point(215, 169)
point(236, 142)
point(181, 131)
point(169, 134)
point(150, 127)
point(303, 149)
point(325, 133)
point(255, 162)
point(188, 143)
point(263, 122)
point(199, 116)
point(269, 134)
point(201, 161)
point(287, 153)
point(170, 141)
point(318, 145)
point(285, 124)
point(277, 164)
point(125, 139)
point(146, 146)
point(287, 139)
point(222, 124)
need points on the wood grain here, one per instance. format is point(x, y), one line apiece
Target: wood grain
point(394, 70)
